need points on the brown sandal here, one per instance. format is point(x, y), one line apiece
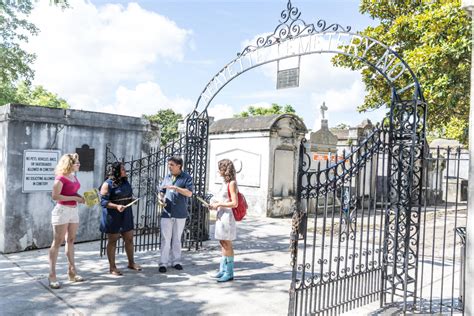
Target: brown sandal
point(116, 272)
point(135, 267)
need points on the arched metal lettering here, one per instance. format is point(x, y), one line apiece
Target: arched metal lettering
point(388, 64)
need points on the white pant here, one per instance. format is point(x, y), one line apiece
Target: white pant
point(171, 231)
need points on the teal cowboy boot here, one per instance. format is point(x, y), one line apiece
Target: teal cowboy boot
point(221, 268)
point(229, 270)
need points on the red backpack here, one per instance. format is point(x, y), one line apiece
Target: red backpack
point(241, 210)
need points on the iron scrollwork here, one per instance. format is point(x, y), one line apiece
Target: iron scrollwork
point(291, 26)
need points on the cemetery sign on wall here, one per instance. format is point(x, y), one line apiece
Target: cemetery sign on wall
point(38, 169)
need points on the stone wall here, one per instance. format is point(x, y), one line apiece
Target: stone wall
point(250, 152)
point(265, 151)
point(25, 217)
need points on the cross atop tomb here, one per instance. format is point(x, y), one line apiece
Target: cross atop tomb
point(323, 108)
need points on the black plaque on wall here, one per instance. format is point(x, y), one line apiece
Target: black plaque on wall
point(86, 157)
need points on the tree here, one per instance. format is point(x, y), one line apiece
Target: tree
point(27, 94)
point(38, 95)
point(434, 38)
point(14, 29)
point(168, 121)
point(15, 63)
point(274, 109)
point(342, 126)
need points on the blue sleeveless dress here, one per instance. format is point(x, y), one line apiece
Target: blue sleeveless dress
point(112, 221)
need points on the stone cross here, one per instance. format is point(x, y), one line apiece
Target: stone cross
point(323, 108)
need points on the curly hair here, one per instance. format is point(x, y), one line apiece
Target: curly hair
point(114, 172)
point(226, 170)
point(66, 164)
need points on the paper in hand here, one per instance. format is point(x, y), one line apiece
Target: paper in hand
point(204, 202)
point(91, 198)
point(131, 203)
point(161, 203)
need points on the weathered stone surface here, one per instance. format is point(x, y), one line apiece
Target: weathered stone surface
point(25, 218)
point(266, 148)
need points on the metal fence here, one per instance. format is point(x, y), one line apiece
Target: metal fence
point(146, 173)
point(340, 262)
point(441, 267)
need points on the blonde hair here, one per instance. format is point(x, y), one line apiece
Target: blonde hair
point(66, 164)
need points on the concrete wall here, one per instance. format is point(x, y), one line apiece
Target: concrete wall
point(3, 183)
point(28, 215)
point(283, 168)
point(253, 150)
point(269, 163)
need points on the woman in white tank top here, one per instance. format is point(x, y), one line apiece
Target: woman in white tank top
point(225, 230)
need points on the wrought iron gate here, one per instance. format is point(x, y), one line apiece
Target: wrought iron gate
point(384, 222)
point(145, 174)
point(338, 229)
point(441, 255)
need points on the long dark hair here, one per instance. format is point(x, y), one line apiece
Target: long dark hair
point(114, 173)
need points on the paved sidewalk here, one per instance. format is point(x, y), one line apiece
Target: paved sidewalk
point(262, 280)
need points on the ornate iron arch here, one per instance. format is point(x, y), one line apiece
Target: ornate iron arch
point(406, 130)
point(339, 40)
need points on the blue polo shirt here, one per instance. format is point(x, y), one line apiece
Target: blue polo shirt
point(176, 203)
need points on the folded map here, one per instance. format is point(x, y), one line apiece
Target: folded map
point(91, 197)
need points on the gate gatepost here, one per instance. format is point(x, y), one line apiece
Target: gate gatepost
point(402, 217)
point(195, 163)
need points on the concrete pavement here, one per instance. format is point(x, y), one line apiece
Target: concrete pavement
point(262, 279)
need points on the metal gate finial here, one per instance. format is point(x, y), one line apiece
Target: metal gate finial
point(292, 26)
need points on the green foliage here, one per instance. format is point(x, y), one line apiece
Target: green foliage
point(14, 29)
point(7, 94)
point(457, 129)
point(168, 121)
point(434, 38)
point(274, 109)
point(26, 94)
point(342, 126)
point(15, 63)
point(38, 95)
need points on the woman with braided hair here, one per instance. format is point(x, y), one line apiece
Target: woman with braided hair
point(225, 230)
point(117, 220)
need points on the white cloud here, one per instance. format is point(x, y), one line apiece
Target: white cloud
point(343, 100)
point(86, 52)
point(253, 41)
point(146, 98)
point(266, 105)
point(220, 111)
point(341, 89)
point(340, 100)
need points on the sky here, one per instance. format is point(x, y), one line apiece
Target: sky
point(137, 57)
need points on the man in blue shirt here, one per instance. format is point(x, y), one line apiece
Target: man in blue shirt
point(175, 190)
